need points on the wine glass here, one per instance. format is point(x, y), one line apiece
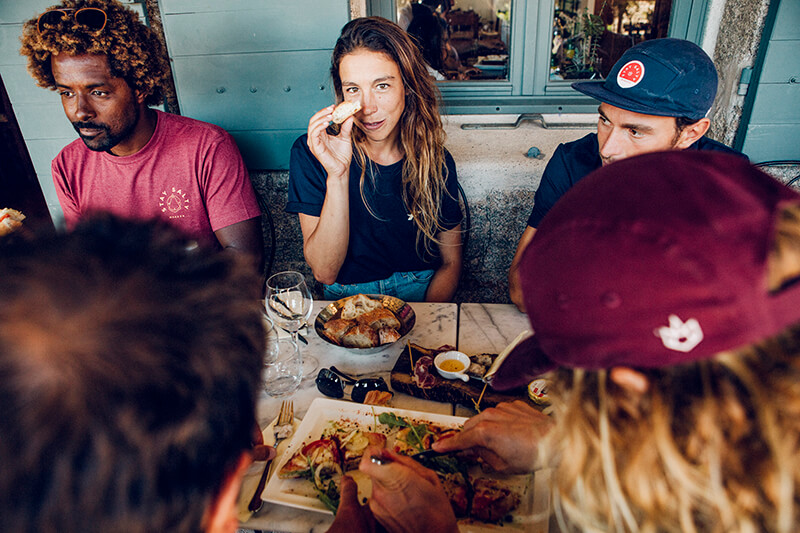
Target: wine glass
point(289, 303)
point(271, 335)
point(283, 370)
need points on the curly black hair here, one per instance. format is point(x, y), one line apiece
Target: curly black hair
point(133, 50)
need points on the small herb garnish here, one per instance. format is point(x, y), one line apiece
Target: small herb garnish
point(392, 420)
point(418, 431)
point(328, 493)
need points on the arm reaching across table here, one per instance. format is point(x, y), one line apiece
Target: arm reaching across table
point(406, 496)
point(506, 437)
point(351, 515)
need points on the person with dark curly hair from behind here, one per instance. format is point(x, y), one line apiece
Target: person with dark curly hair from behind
point(134, 161)
point(127, 397)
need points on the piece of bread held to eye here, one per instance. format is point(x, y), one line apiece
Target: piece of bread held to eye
point(344, 110)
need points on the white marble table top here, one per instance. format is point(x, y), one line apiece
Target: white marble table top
point(474, 328)
point(488, 328)
point(436, 325)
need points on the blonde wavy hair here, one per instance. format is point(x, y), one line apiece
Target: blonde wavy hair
point(711, 446)
point(133, 50)
point(421, 133)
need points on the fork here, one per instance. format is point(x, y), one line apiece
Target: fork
point(283, 429)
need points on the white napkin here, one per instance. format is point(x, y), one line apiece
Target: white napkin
point(498, 361)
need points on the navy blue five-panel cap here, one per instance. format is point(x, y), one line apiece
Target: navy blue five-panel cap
point(664, 77)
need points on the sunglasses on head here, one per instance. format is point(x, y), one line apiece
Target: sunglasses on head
point(92, 18)
point(331, 382)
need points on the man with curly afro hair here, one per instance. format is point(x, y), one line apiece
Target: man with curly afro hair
point(131, 160)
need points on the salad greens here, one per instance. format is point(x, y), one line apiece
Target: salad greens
point(418, 431)
point(327, 492)
point(329, 495)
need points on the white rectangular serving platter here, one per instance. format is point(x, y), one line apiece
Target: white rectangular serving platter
point(299, 493)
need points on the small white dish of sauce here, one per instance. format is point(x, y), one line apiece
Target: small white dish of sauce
point(452, 365)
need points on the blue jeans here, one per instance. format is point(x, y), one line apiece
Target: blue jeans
point(408, 286)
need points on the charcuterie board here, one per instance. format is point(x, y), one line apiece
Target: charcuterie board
point(448, 390)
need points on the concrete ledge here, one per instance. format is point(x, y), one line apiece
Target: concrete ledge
point(499, 181)
point(490, 158)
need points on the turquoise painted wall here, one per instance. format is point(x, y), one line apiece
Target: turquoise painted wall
point(773, 129)
point(258, 68)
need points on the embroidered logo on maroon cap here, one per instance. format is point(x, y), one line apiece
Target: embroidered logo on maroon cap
point(680, 336)
point(630, 74)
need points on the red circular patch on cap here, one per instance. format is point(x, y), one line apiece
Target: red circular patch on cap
point(630, 74)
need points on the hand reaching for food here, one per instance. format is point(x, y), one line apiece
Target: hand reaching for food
point(406, 496)
point(351, 515)
point(506, 437)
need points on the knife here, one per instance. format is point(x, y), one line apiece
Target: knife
point(255, 501)
point(427, 454)
point(430, 454)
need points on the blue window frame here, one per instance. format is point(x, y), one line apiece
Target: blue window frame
point(528, 88)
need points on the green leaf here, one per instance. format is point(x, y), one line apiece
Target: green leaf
point(417, 435)
point(392, 420)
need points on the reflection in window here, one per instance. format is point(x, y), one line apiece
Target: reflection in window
point(460, 39)
point(589, 36)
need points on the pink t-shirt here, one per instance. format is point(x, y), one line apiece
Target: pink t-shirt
point(190, 174)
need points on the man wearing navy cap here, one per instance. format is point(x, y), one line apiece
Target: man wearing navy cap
point(655, 98)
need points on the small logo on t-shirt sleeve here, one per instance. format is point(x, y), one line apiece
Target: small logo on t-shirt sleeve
point(173, 202)
point(630, 74)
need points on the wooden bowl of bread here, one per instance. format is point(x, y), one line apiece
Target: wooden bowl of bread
point(365, 322)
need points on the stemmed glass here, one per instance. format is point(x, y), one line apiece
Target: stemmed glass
point(289, 304)
point(283, 367)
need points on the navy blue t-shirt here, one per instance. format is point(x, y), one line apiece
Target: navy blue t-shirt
point(573, 161)
point(382, 242)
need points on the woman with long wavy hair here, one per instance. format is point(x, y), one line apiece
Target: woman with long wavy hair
point(378, 201)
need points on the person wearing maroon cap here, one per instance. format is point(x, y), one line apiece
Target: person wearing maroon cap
point(656, 97)
point(663, 292)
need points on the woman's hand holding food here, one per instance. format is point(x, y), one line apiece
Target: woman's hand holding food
point(334, 152)
point(326, 237)
point(506, 437)
point(406, 497)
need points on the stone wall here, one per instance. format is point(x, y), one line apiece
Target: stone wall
point(737, 34)
point(497, 222)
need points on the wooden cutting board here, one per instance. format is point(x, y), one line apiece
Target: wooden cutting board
point(449, 390)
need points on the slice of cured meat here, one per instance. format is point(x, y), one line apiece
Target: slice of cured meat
point(424, 376)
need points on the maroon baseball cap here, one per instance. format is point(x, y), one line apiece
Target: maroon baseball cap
point(653, 261)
